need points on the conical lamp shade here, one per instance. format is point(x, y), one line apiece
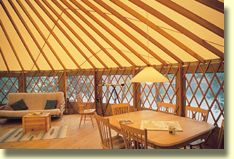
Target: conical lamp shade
point(149, 74)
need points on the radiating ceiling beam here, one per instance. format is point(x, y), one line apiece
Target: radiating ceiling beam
point(12, 46)
point(127, 33)
point(140, 31)
point(87, 33)
point(113, 34)
point(4, 59)
point(99, 33)
point(190, 15)
point(178, 27)
point(66, 34)
point(75, 34)
point(214, 4)
point(160, 31)
point(32, 36)
point(24, 43)
point(54, 35)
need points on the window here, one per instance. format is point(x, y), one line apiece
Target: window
point(82, 86)
point(7, 85)
point(207, 91)
point(42, 84)
point(158, 92)
point(124, 93)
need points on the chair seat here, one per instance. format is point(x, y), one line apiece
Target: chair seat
point(88, 111)
point(197, 142)
point(118, 142)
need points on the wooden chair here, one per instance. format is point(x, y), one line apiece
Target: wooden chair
point(198, 114)
point(221, 137)
point(84, 112)
point(134, 138)
point(166, 107)
point(120, 108)
point(108, 142)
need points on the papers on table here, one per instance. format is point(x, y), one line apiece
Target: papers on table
point(160, 125)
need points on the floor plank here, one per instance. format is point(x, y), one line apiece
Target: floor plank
point(85, 137)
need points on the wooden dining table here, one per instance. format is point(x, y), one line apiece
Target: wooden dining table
point(191, 129)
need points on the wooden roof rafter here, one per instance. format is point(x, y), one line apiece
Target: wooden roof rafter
point(127, 33)
point(4, 59)
point(76, 35)
point(87, 33)
point(178, 27)
point(140, 31)
point(54, 35)
point(201, 21)
point(11, 45)
point(217, 5)
point(109, 34)
point(66, 35)
point(160, 31)
point(23, 41)
point(112, 33)
point(99, 33)
point(32, 36)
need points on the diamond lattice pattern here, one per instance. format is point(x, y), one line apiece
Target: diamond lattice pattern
point(124, 93)
point(81, 86)
point(7, 85)
point(43, 83)
point(158, 92)
point(205, 89)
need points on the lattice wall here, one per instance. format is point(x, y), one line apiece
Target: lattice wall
point(81, 84)
point(125, 93)
point(8, 84)
point(160, 92)
point(107, 80)
point(43, 82)
point(205, 89)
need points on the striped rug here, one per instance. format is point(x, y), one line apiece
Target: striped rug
point(16, 134)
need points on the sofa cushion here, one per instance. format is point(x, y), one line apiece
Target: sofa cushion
point(21, 113)
point(36, 101)
point(19, 105)
point(51, 104)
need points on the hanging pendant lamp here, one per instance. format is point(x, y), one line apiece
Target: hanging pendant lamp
point(149, 75)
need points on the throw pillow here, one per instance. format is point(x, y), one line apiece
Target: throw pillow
point(51, 104)
point(19, 105)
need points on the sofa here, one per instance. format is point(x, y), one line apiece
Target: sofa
point(35, 102)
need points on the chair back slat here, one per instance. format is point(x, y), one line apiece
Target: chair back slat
point(196, 113)
point(80, 107)
point(120, 108)
point(104, 131)
point(166, 107)
point(134, 138)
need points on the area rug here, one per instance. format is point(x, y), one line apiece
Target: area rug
point(16, 134)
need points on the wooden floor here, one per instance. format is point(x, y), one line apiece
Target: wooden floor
point(85, 137)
